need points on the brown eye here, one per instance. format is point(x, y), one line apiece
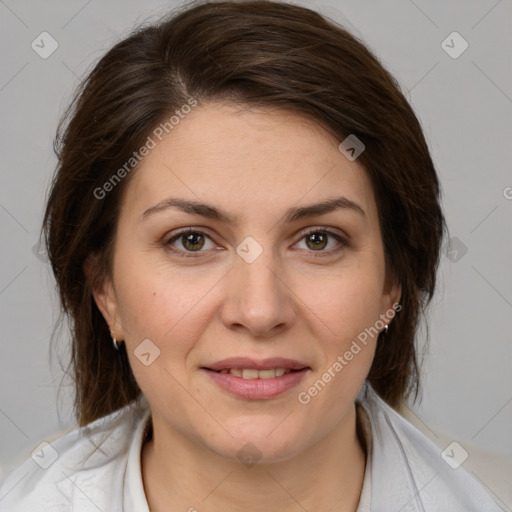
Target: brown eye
point(192, 241)
point(317, 240)
point(323, 242)
point(187, 242)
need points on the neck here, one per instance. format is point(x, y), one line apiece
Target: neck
point(328, 475)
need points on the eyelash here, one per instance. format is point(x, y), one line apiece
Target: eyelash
point(195, 254)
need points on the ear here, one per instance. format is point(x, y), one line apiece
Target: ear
point(392, 293)
point(104, 297)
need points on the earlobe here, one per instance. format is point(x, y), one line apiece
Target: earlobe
point(392, 294)
point(104, 297)
point(390, 304)
point(396, 293)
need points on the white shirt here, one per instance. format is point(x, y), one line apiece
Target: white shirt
point(405, 471)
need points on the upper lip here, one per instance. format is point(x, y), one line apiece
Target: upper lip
point(262, 364)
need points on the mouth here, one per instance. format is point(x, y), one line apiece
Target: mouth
point(256, 380)
point(254, 373)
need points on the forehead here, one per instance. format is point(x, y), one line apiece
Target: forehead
point(244, 160)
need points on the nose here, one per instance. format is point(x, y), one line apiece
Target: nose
point(258, 298)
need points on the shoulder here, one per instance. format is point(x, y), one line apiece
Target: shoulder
point(492, 469)
point(77, 468)
point(409, 469)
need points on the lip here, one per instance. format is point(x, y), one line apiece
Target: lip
point(262, 364)
point(256, 389)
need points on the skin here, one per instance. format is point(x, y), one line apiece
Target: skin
point(290, 302)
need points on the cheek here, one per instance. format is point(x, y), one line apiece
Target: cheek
point(345, 315)
point(347, 303)
point(154, 297)
point(346, 308)
point(166, 308)
point(155, 312)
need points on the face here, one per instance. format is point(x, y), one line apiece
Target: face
point(250, 271)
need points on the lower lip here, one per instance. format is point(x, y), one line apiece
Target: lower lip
point(256, 389)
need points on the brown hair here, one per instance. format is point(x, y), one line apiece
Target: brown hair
point(255, 53)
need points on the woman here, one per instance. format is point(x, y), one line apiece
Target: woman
point(244, 227)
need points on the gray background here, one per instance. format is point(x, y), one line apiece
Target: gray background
point(465, 107)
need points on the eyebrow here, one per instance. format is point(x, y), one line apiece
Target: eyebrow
point(291, 215)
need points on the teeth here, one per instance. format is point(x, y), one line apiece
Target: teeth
point(248, 373)
point(266, 374)
point(253, 373)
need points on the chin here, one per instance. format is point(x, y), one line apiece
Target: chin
point(255, 445)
